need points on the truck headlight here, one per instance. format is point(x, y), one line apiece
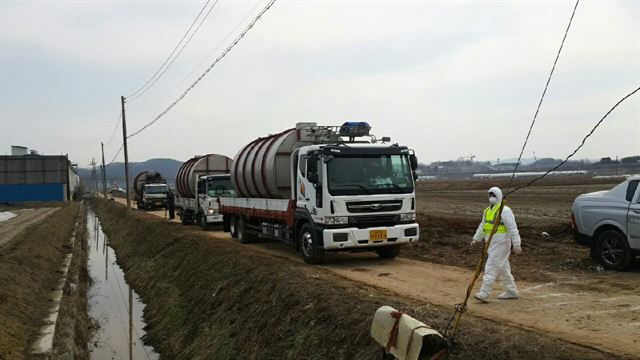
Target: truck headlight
point(336, 220)
point(211, 212)
point(408, 217)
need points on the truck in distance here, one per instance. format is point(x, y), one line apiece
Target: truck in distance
point(608, 222)
point(324, 188)
point(150, 190)
point(199, 183)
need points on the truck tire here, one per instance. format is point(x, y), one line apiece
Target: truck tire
point(184, 219)
point(612, 250)
point(233, 227)
point(243, 235)
point(203, 222)
point(388, 252)
point(311, 254)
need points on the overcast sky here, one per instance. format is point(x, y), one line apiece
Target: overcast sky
point(447, 79)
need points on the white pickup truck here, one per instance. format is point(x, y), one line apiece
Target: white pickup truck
point(609, 223)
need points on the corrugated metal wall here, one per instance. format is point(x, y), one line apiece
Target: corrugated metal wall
point(34, 178)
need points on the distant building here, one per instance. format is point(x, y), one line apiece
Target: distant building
point(32, 177)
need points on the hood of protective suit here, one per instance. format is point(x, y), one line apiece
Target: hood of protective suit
point(496, 190)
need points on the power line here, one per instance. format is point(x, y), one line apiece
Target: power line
point(155, 76)
point(207, 58)
point(579, 146)
point(115, 156)
point(544, 92)
point(224, 53)
point(114, 130)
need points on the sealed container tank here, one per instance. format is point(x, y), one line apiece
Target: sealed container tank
point(197, 166)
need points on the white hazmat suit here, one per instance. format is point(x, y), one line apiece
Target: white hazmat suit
point(497, 266)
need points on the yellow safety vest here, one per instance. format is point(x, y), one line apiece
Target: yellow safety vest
point(489, 220)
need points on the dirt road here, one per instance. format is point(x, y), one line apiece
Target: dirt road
point(25, 217)
point(594, 310)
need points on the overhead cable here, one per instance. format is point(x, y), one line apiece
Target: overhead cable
point(224, 53)
point(207, 58)
point(544, 92)
point(579, 146)
point(170, 59)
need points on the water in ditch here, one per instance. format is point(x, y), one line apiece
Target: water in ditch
point(113, 303)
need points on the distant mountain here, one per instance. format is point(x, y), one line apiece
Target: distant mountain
point(116, 177)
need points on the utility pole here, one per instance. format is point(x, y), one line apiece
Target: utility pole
point(94, 175)
point(126, 154)
point(104, 173)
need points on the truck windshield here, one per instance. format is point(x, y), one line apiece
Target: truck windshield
point(157, 189)
point(220, 187)
point(377, 174)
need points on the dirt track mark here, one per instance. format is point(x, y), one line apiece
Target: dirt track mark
point(25, 217)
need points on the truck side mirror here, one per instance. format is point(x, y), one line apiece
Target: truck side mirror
point(414, 162)
point(415, 176)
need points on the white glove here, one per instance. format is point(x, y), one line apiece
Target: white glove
point(517, 250)
point(474, 242)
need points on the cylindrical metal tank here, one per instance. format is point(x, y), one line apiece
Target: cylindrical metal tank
point(197, 166)
point(146, 177)
point(262, 168)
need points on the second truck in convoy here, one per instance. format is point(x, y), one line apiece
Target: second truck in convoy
point(199, 182)
point(324, 188)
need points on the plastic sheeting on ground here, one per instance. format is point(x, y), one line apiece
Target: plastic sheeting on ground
point(6, 215)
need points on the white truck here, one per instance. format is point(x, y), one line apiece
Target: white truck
point(322, 188)
point(199, 183)
point(150, 190)
point(608, 222)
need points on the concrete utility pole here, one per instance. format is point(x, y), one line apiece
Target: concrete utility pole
point(126, 154)
point(94, 175)
point(104, 173)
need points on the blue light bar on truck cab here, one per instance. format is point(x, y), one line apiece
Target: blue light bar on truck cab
point(353, 129)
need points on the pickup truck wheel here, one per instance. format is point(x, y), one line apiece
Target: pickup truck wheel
point(233, 229)
point(311, 254)
point(203, 222)
point(388, 252)
point(613, 250)
point(243, 236)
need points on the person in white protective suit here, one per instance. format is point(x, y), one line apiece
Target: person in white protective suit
point(504, 240)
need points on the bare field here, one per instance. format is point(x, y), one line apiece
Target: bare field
point(29, 270)
point(25, 217)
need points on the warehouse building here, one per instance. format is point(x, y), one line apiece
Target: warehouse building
point(28, 176)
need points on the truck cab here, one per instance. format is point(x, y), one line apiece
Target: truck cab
point(204, 208)
point(355, 197)
point(153, 196)
point(608, 222)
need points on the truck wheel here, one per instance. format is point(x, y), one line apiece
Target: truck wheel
point(311, 253)
point(613, 250)
point(233, 227)
point(388, 252)
point(241, 228)
point(184, 218)
point(203, 222)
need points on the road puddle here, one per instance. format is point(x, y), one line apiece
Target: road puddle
point(112, 303)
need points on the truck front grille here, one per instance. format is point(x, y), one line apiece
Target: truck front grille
point(365, 221)
point(374, 206)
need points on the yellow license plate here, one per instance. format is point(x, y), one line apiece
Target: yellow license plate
point(377, 235)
